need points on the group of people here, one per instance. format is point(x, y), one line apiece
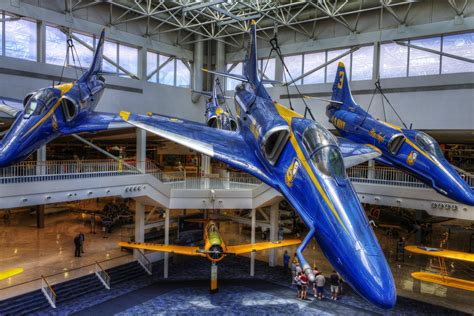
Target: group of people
point(302, 282)
point(79, 244)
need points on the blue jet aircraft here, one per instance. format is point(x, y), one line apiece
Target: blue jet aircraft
point(302, 160)
point(410, 150)
point(218, 114)
point(48, 113)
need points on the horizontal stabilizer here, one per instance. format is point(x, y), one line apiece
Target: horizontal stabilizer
point(10, 107)
point(354, 154)
point(321, 99)
point(226, 74)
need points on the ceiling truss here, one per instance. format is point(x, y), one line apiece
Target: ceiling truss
point(223, 20)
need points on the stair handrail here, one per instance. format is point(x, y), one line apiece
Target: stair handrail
point(145, 262)
point(48, 291)
point(103, 276)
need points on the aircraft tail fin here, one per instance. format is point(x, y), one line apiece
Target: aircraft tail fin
point(96, 65)
point(250, 63)
point(341, 91)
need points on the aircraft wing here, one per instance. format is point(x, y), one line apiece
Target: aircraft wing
point(181, 250)
point(239, 249)
point(226, 146)
point(10, 272)
point(443, 253)
point(10, 107)
point(354, 154)
point(96, 122)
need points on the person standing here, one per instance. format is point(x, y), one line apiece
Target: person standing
point(286, 261)
point(304, 286)
point(294, 261)
point(82, 238)
point(335, 282)
point(320, 281)
point(77, 246)
point(298, 284)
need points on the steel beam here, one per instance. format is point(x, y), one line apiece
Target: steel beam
point(435, 52)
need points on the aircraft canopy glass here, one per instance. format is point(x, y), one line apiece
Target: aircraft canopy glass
point(322, 149)
point(428, 144)
point(40, 102)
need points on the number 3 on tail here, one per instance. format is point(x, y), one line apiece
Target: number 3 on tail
point(341, 80)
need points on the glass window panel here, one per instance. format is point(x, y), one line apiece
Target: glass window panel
point(183, 76)
point(312, 61)
point(459, 45)
point(166, 73)
point(85, 54)
point(20, 39)
point(393, 60)
point(110, 51)
point(332, 68)
point(128, 58)
point(151, 65)
point(362, 63)
point(56, 46)
point(1, 37)
point(295, 68)
point(424, 63)
point(231, 83)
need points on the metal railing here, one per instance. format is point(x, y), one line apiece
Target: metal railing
point(48, 291)
point(144, 262)
point(103, 276)
point(42, 283)
point(383, 175)
point(76, 169)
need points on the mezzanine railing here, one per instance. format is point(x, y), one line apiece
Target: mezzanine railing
point(76, 169)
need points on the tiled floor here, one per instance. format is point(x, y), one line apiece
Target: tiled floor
point(50, 250)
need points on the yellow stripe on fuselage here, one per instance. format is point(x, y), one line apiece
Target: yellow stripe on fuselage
point(64, 88)
point(288, 115)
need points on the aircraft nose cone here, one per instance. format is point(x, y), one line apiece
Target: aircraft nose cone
point(382, 291)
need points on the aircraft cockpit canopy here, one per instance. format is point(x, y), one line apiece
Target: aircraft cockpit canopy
point(39, 102)
point(322, 149)
point(428, 144)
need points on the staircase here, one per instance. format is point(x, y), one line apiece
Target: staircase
point(125, 272)
point(24, 304)
point(73, 288)
point(36, 301)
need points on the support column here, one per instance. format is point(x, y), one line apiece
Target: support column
point(139, 225)
point(142, 70)
point(167, 242)
point(220, 59)
point(252, 241)
point(197, 67)
point(371, 170)
point(418, 234)
point(274, 215)
point(41, 160)
point(141, 150)
point(205, 171)
point(40, 216)
point(279, 70)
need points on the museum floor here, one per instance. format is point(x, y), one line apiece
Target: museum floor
point(50, 251)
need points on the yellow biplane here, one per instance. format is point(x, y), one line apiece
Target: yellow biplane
point(443, 278)
point(214, 248)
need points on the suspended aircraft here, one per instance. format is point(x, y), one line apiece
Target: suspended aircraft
point(214, 248)
point(218, 114)
point(62, 109)
point(302, 160)
point(443, 278)
point(412, 151)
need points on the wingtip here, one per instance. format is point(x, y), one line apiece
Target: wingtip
point(204, 69)
point(253, 22)
point(341, 64)
point(124, 115)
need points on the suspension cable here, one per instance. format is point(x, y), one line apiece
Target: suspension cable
point(274, 43)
